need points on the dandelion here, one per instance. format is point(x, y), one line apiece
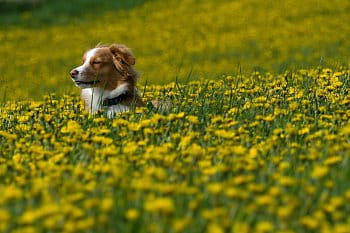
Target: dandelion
point(309, 222)
point(192, 119)
point(71, 127)
point(215, 188)
point(319, 171)
point(333, 160)
point(267, 147)
point(4, 215)
point(8, 135)
point(264, 226)
point(106, 204)
point(132, 214)
point(215, 228)
point(102, 140)
point(162, 205)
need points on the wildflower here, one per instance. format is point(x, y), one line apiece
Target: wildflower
point(4, 215)
point(106, 204)
point(130, 148)
point(214, 228)
point(345, 130)
point(269, 118)
point(265, 200)
point(319, 171)
point(195, 150)
point(29, 217)
point(341, 228)
point(179, 225)
point(333, 160)
point(264, 226)
point(102, 140)
point(239, 226)
point(10, 193)
point(303, 131)
point(347, 194)
point(162, 205)
point(285, 212)
point(132, 214)
point(215, 188)
point(71, 127)
point(225, 134)
point(309, 222)
point(233, 111)
point(134, 126)
point(192, 119)
point(119, 122)
point(8, 135)
point(239, 150)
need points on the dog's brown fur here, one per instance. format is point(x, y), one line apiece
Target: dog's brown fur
point(112, 66)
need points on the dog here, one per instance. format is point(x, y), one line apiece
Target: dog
point(108, 79)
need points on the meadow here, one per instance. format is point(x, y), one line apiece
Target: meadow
point(170, 39)
point(258, 153)
point(257, 139)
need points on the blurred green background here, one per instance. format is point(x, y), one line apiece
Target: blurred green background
point(41, 41)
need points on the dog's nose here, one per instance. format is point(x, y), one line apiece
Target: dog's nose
point(74, 73)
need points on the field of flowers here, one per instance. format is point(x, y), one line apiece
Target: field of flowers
point(173, 38)
point(246, 153)
point(257, 138)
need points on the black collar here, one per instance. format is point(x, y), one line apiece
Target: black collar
point(113, 101)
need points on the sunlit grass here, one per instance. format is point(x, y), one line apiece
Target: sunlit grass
point(256, 139)
point(246, 153)
point(172, 38)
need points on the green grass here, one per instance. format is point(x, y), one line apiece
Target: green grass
point(250, 144)
point(170, 39)
point(257, 153)
point(50, 12)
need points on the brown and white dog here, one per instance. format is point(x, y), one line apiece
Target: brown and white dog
point(108, 79)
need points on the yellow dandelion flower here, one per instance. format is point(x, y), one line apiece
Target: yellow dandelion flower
point(132, 214)
point(106, 204)
point(163, 205)
point(319, 172)
point(71, 127)
point(284, 212)
point(240, 227)
point(29, 217)
point(333, 160)
point(309, 222)
point(264, 226)
point(180, 225)
point(192, 119)
point(341, 228)
point(226, 134)
point(214, 188)
point(303, 131)
point(214, 228)
point(345, 130)
point(102, 140)
point(8, 135)
point(239, 150)
point(134, 126)
point(4, 215)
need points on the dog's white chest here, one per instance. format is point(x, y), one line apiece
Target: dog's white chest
point(94, 97)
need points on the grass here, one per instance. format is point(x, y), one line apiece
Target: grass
point(256, 153)
point(257, 138)
point(169, 39)
point(41, 12)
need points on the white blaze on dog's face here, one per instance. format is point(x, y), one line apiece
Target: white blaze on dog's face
point(103, 67)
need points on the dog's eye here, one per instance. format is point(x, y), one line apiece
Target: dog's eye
point(96, 62)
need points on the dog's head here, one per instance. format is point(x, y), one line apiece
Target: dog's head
point(105, 66)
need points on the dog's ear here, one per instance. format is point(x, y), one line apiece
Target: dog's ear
point(122, 54)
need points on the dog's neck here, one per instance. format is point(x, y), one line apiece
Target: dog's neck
point(94, 97)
